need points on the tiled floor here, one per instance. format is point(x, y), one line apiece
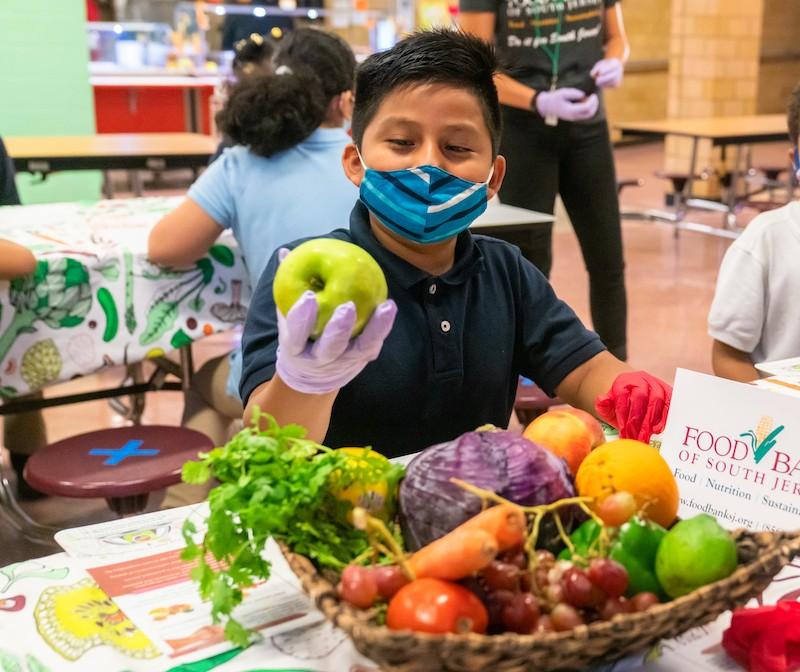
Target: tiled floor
point(670, 287)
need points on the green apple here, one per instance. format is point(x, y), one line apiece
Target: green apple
point(337, 272)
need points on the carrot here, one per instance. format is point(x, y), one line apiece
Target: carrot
point(455, 555)
point(505, 522)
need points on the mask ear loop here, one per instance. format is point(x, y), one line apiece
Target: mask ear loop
point(361, 158)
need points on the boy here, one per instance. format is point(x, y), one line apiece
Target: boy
point(471, 313)
point(753, 317)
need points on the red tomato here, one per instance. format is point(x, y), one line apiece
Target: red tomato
point(433, 605)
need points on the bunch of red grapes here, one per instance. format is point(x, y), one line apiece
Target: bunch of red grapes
point(556, 595)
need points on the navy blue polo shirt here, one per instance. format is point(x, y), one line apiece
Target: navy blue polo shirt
point(458, 345)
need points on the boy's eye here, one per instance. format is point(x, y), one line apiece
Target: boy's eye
point(400, 142)
point(458, 149)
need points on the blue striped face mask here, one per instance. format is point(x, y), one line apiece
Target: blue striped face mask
point(424, 204)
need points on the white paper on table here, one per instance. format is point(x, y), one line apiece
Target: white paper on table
point(131, 537)
point(789, 368)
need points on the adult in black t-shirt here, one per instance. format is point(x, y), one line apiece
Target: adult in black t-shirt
point(559, 55)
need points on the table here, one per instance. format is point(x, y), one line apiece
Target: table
point(123, 151)
point(501, 217)
point(722, 132)
point(96, 301)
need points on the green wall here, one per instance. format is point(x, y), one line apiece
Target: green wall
point(45, 86)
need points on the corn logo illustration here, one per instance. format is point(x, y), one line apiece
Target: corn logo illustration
point(763, 438)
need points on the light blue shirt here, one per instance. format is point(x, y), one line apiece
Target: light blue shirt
point(266, 202)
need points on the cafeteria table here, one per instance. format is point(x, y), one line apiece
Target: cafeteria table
point(111, 151)
point(722, 132)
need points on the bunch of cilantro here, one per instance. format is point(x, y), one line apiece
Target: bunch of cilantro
point(274, 483)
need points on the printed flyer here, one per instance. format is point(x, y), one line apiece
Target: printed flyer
point(137, 563)
point(735, 451)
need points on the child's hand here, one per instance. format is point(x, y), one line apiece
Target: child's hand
point(608, 73)
point(333, 360)
point(637, 405)
point(568, 104)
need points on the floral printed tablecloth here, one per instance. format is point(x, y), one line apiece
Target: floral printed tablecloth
point(54, 617)
point(96, 301)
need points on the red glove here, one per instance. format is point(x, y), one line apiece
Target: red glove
point(765, 639)
point(637, 405)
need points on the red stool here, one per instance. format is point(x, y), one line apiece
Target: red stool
point(531, 401)
point(122, 465)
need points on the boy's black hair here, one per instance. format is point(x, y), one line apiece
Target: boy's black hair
point(442, 56)
point(794, 115)
point(275, 110)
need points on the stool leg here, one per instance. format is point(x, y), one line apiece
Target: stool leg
point(128, 506)
point(18, 519)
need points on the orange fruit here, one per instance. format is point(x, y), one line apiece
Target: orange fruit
point(630, 466)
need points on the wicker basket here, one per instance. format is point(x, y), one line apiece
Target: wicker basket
point(761, 557)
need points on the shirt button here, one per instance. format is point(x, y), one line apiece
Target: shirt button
point(432, 289)
point(445, 325)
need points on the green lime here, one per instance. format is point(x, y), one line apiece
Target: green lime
point(694, 553)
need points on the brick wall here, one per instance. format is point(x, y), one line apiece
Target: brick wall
point(779, 70)
point(715, 48)
point(644, 91)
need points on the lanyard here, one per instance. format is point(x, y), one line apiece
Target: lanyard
point(553, 54)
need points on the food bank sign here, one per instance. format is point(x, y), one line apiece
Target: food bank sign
point(735, 452)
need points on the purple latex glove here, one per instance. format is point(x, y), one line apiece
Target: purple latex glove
point(608, 73)
point(568, 104)
point(333, 360)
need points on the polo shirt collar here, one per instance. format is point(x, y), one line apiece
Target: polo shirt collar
point(468, 258)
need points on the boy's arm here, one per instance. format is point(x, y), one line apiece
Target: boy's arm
point(728, 362)
point(592, 379)
point(286, 405)
point(15, 260)
point(182, 236)
point(634, 402)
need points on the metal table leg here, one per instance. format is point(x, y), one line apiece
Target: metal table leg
point(187, 368)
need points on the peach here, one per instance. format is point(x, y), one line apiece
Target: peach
point(592, 423)
point(566, 433)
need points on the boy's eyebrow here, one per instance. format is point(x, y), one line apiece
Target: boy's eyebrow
point(401, 120)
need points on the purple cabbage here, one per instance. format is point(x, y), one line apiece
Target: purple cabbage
point(497, 460)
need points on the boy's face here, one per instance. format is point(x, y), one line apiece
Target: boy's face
point(428, 124)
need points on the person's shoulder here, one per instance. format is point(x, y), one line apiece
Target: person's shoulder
point(337, 234)
point(496, 248)
point(772, 226)
point(498, 254)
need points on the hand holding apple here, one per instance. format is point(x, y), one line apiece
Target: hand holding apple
point(337, 272)
point(334, 358)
